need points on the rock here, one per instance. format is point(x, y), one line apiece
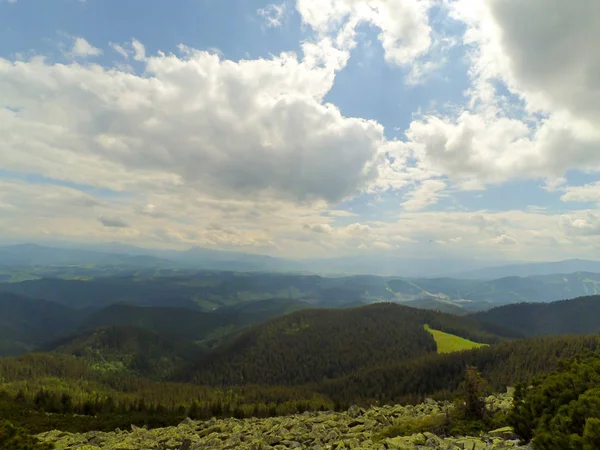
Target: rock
point(471, 444)
point(356, 428)
point(355, 411)
point(399, 443)
point(506, 433)
point(186, 421)
point(187, 445)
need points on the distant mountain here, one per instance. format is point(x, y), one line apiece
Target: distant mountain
point(183, 323)
point(437, 305)
point(27, 255)
point(313, 345)
point(370, 263)
point(576, 316)
point(220, 291)
point(26, 323)
point(126, 349)
point(101, 292)
point(532, 269)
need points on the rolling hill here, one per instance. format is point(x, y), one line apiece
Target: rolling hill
point(26, 323)
point(312, 345)
point(187, 324)
point(210, 291)
point(127, 349)
point(576, 316)
point(532, 269)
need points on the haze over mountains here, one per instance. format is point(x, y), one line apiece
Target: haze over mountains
point(381, 264)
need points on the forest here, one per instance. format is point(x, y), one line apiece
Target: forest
point(112, 365)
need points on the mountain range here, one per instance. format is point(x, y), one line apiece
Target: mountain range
point(381, 264)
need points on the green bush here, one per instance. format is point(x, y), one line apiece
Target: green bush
point(13, 438)
point(561, 410)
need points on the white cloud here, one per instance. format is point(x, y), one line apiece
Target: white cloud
point(120, 50)
point(83, 49)
point(504, 239)
point(428, 193)
point(405, 33)
point(273, 14)
point(358, 229)
point(551, 121)
point(224, 128)
point(586, 193)
point(139, 51)
point(582, 224)
point(318, 227)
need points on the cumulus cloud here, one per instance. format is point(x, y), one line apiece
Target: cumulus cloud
point(273, 15)
point(227, 129)
point(112, 222)
point(83, 49)
point(547, 123)
point(583, 224)
point(586, 193)
point(318, 228)
point(357, 229)
point(405, 33)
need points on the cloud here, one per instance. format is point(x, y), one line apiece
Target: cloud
point(119, 49)
point(112, 222)
point(405, 33)
point(582, 224)
point(251, 128)
point(273, 15)
point(151, 210)
point(586, 193)
point(83, 49)
point(427, 194)
point(504, 240)
point(318, 228)
point(358, 229)
point(533, 107)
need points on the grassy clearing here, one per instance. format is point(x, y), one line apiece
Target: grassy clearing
point(449, 343)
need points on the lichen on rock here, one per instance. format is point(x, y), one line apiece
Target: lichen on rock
point(356, 428)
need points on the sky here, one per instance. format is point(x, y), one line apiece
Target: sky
point(304, 128)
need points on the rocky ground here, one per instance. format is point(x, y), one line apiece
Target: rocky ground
point(356, 428)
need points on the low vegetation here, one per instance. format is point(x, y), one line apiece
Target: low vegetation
point(13, 438)
point(561, 410)
point(449, 343)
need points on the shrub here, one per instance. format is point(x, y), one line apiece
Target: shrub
point(561, 410)
point(13, 438)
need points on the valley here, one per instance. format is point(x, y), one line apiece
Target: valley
point(175, 350)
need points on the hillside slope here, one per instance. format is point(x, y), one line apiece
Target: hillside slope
point(576, 316)
point(312, 345)
point(125, 349)
point(441, 376)
point(185, 323)
point(26, 323)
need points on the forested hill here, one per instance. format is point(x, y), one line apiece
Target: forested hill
point(126, 349)
point(26, 322)
point(576, 316)
point(185, 323)
point(502, 365)
point(312, 345)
